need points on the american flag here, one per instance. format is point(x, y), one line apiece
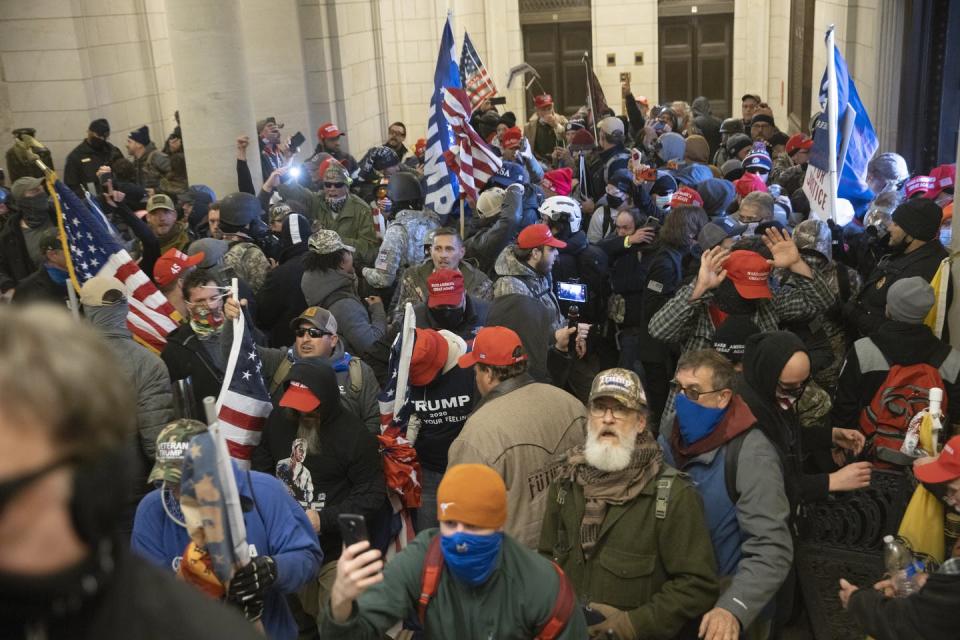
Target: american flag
point(476, 161)
point(92, 246)
point(474, 74)
point(244, 404)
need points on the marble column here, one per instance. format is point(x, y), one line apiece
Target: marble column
point(209, 65)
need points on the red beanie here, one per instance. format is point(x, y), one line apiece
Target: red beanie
point(429, 355)
point(749, 183)
point(560, 181)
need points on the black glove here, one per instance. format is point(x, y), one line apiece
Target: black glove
point(253, 580)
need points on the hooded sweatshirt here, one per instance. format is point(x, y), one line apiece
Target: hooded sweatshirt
point(345, 471)
point(763, 361)
point(336, 292)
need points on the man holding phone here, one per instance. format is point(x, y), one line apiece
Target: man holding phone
point(472, 579)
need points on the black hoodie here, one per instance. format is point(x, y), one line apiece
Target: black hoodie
point(588, 264)
point(765, 357)
point(343, 461)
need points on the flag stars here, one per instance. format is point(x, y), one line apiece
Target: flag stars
point(252, 355)
point(246, 375)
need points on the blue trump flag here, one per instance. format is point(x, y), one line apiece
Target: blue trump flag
point(442, 188)
point(856, 138)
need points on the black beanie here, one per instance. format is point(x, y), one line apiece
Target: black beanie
point(920, 218)
point(141, 135)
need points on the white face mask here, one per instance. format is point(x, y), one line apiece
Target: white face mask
point(664, 201)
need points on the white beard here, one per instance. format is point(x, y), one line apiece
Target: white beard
point(607, 456)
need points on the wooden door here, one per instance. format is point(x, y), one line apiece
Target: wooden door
point(556, 52)
point(696, 59)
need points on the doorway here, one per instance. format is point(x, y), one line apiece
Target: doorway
point(696, 59)
point(556, 51)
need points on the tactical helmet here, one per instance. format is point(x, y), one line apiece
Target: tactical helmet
point(557, 208)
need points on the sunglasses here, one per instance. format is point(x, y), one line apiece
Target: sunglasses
point(334, 185)
point(312, 332)
point(757, 170)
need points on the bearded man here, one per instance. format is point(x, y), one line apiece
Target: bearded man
point(627, 529)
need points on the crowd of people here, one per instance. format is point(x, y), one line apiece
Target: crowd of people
point(636, 360)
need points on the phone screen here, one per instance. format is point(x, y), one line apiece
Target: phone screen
point(572, 291)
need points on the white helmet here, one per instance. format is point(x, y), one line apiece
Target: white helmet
point(556, 207)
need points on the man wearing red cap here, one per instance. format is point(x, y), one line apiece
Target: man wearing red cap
point(545, 129)
point(342, 470)
point(469, 579)
point(932, 612)
point(518, 427)
point(525, 268)
point(510, 143)
point(449, 306)
point(168, 273)
point(328, 137)
point(446, 252)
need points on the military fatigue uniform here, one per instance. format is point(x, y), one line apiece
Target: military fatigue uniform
point(248, 261)
point(403, 245)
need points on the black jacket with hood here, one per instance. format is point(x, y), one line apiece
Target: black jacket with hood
point(582, 261)
point(765, 357)
point(346, 472)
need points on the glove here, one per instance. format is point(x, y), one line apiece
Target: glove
point(252, 608)
point(617, 624)
point(253, 580)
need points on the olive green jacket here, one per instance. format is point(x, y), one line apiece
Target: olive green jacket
point(662, 571)
point(512, 604)
point(354, 223)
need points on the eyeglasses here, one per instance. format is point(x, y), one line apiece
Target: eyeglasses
point(334, 185)
point(313, 332)
point(619, 411)
point(693, 394)
point(398, 132)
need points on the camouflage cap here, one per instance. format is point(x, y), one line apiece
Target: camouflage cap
point(336, 172)
point(327, 241)
point(318, 317)
point(160, 201)
point(172, 446)
point(622, 385)
point(814, 235)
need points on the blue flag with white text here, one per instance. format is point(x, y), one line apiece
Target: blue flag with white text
point(861, 144)
point(442, 188)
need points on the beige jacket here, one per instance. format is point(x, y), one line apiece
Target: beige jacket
point(519, 428)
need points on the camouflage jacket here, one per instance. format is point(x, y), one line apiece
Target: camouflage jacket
point(413, 286)
point(515, 277)
point(403, 245)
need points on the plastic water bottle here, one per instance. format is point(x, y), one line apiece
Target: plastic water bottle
point(901, 567)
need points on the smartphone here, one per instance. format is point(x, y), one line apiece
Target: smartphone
point(353, 528)
point(105, 178)
point(297, 140)
point(572, 291)
point(592, 615)
point(498, 100)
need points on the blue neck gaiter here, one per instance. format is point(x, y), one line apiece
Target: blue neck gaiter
point(696, 421)
point(57, 274)
point(471, 557)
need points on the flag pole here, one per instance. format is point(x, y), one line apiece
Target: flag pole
point(593, 111)
point(832, 121)
point(462, 224)
point(71, 284)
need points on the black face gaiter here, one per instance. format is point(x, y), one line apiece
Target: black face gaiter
point(34, 210)
point(449, 319)
point(730, 302)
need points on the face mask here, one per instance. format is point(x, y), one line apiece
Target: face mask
point(205, 322)
point(729, 301)
point(98, 144)
point(787, 400)
point(58, 275)
point(664, 201)
point(614, 202)
point(696, 421)
point(11, 487)
point(34, 210)
point(471, 557)
point(336, 204)
point(448, 318)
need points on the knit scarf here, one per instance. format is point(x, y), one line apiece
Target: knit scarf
point(602, 488)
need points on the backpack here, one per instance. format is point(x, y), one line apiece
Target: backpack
point(904, 393)
point(354, 372)
point(430, 581)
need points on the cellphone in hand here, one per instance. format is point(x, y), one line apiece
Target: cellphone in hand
point(572, 291)
point(297, 141)
point(353, 528)
point(104, 178)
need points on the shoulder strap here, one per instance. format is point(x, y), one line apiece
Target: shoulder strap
point(280, 374)
point(843, 283)
point(355, 372)
point(731, 458)
point(664, 484)
point(562, 609)
point(430, 578)
point(606, 220)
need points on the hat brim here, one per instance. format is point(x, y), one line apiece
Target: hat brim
point(169, 471)
point(299, 398)
point(467, 360)
point(445, 299)
point(553, 242)
point(935, 472)
point(751, 291)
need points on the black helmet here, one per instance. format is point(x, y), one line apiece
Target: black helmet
point(403, 187)
point(731, 125)
point(240, 211)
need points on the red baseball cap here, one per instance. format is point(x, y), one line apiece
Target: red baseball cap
point(421, 146)
point(918, 184)
point(543, 101)
point(328, 130)
point(945, 177)
point(945, 468)
point(445, 288)
point(430, 351)
point(749, 183)
point(172, 264)
point(299, 396)
point(686, 196)
point(798, 142)
point(750, 274)
point(511, 138)
point(538, 235)
point(495, 346)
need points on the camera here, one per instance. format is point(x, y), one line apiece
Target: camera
point(572, 291)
